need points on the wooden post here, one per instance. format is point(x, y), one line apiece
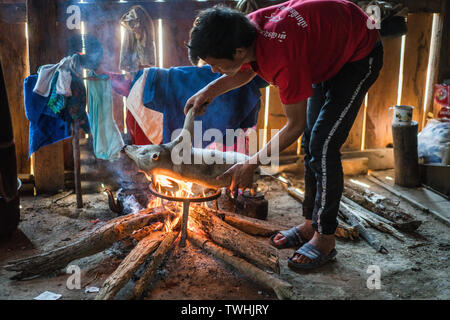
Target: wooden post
point(417, 49)
point(405, 155)
point(444, 63)
point(440, 61)
point(76, 159)
point(13, 53)
point(43, 49)
point(382, 95)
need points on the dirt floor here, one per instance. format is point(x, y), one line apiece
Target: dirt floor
point(415, 269)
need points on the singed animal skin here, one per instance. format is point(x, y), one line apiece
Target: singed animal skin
point(158, 160)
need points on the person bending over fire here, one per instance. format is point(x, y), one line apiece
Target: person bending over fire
point(323, 55)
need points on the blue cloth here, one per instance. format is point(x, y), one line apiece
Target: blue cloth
point(167, 90)
point(45, 126)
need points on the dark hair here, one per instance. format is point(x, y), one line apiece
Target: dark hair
point(218, 32)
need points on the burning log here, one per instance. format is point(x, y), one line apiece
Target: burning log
point(251, 226)
point(158, 258)
point(383, 207)
point(129, 265)
point(282, 289)
point(140, 234)
point(97, 241)
point(234, 239)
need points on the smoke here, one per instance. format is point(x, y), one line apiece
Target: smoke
point(130, 205)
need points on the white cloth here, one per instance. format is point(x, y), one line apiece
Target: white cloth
point(150, 121)
point(63, 83)
point(45, 76)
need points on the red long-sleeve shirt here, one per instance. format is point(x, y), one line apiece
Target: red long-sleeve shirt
point(301, 42)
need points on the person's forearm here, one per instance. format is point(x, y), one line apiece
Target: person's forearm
point(228, 83)
point(284, 138)
point(296, 123)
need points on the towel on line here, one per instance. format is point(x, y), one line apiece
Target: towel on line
point(107, 140)
point(167, 90)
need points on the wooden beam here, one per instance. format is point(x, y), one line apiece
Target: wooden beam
point(439, 63)
point(443, 67)
point(14, 56)
point(112, 11)
point(417, 49)
point(382, 95)
point(13, 13)
point(430, 6)
point(277, 119)
point(175, 35)
point(43, 49)
point(109, 11)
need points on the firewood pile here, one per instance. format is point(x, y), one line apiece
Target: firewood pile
point(361, 208)
point(225, 235)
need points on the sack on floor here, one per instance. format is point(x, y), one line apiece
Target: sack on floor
point(432, 141)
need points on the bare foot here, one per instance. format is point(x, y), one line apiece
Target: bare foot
point(305, 229)
point(323, 242)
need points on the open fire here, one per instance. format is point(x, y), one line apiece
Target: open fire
point(226, 235)
point(181, 192)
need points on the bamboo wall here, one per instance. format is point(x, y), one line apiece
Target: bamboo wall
point(372, 128)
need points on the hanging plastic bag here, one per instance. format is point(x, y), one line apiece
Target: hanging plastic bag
point(432, 141)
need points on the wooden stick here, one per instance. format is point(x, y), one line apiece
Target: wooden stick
point(378, 224)
point(158, 257)
point(361, 209)
point(341, 231)
point(251, 226)
point(77, 166)
point(129, 265)
point(373, 178)
point(357, 222)
point(235, 240)
point(382, 206)
point(346, 231)
point(282, 289)
point(97, 241)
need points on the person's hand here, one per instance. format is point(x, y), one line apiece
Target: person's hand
point(199, 102)
point(242, 176)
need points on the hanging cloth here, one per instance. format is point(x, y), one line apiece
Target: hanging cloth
point(106, 136)
point(63, 70)
point(138, 45)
